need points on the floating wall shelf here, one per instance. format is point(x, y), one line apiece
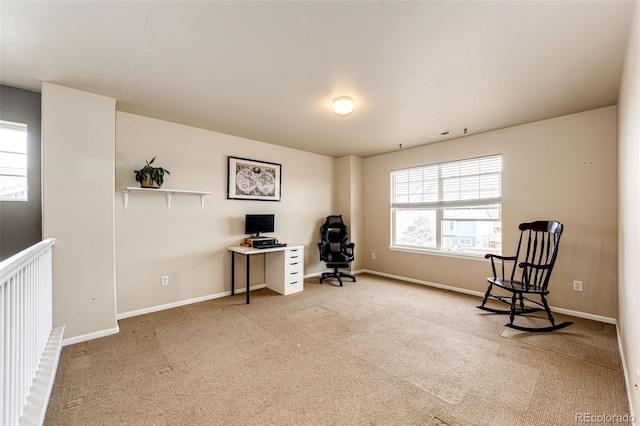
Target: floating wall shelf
point(168, 192)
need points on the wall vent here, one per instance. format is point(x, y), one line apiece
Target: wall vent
point(441, 134)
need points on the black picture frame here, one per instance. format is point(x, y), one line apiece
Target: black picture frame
point(253, 180)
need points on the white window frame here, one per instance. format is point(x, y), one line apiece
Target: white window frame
point(11, 169)
point(467, 185)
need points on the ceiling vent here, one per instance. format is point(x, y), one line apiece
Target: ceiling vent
point(441, 134)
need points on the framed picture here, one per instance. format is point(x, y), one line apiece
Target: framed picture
point(253, 180)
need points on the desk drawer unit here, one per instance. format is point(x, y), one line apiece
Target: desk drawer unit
point(285, 270)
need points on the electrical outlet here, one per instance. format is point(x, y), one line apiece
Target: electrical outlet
point(577, 285)
point(373, 256)
point(165, 280)
point(308, 258)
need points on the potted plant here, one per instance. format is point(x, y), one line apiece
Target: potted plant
point(150, 176)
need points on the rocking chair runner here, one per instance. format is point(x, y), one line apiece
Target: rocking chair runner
point(532, 267)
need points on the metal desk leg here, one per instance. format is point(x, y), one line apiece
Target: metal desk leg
point(248, 262)
point(233, 272)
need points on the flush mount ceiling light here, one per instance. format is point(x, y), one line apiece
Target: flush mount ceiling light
point(343, 105)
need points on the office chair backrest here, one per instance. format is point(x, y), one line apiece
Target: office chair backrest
point(334, 236)
point(334, 230)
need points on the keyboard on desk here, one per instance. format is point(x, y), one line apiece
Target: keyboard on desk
point(267, 246)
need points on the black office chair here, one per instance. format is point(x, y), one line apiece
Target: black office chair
point(335, 249)
point(529, 275)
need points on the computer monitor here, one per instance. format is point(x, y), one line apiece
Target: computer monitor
point(256, 223)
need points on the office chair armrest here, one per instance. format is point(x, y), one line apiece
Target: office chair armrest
point(347, 250)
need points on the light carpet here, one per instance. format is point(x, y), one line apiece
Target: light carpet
point(374, 352)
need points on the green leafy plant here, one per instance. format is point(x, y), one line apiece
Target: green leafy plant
point(149, 174)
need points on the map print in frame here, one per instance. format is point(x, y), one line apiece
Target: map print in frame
point(253, 180)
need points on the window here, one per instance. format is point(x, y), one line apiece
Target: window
point(13, 161)
point(465, 241)
point(448, 207)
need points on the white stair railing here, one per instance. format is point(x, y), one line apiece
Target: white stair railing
point(29, 344)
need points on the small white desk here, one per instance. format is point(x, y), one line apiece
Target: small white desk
point(284, 268)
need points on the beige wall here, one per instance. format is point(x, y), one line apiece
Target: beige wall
point(78, 135)
point(562, 169)
point(629, 212)
point(190, 245)
point(348, 190)
point(357, 210)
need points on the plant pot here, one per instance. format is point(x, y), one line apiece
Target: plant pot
point(146, 182)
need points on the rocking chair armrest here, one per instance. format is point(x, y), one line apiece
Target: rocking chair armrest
point(492, 256)
point(502, 264)
point(531, 265)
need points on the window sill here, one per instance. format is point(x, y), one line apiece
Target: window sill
point(464, 256)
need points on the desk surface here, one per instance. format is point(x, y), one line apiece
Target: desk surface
point(250, 250)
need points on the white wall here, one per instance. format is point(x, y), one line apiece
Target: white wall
point(629, 212)
point(78, 136)
point(560, 169)
point(190, 245)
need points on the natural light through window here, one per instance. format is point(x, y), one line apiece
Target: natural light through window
point(450, 207)
point(13, 161)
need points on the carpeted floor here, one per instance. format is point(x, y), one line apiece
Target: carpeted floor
point(374, 352)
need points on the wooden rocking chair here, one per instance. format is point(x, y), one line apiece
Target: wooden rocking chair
point(529, 275)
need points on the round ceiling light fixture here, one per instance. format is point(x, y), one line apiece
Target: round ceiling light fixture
point(343, 105)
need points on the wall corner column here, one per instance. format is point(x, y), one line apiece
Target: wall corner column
point(78, 175)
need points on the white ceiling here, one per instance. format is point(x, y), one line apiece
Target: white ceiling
point(268, 70)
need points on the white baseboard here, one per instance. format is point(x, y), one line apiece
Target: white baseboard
point(584, 315)
point(630, 386)
point(422, 282)
point(577, 314)
point(183, 302)
point(312, 275)
point(90, 336)
point(179, 303)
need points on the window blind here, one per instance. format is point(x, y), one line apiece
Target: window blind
point(467, 182)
